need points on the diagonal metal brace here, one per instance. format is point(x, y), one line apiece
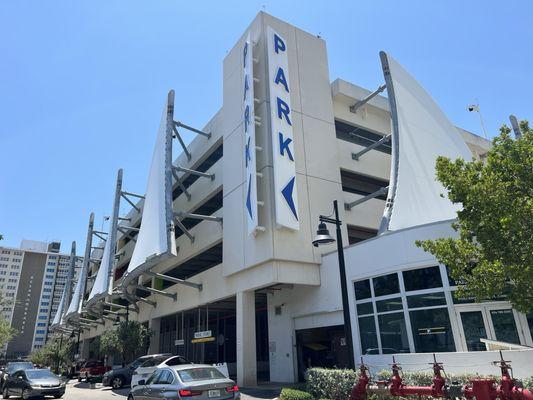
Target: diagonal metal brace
point(173, 296)
point(194, 172)
point(384, 139)
point(198, 286)
point(379, 192)
point(362, 102)
point(181, 214)
point(179, 124)
point(127, 233)
point(180, 183)
point(184, 229)
point(182, 143)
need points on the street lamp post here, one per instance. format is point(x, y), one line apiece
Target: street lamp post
point(323, 237)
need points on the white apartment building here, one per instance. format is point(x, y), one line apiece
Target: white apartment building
point(217, 256)
point(32, 278)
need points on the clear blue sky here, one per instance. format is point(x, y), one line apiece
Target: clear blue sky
point(82, 83)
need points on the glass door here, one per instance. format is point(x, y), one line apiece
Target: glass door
point(474, 326)
point(494, 322)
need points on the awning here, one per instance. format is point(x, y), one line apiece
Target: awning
point(420, 133)
point(156, 241)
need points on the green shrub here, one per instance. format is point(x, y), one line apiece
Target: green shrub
point(293, 394)
point(333, 384)
point(336, 384)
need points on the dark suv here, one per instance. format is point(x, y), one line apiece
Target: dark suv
point(120, 377)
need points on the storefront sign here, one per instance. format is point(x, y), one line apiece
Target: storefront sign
point(202, 334)
point(179, 342)
point(203, 340)
point(286, 195)
point(249, 135)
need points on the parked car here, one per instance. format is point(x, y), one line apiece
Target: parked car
point(116, 378)
point(148, 367)
point(33, 383)
point(92, 369)
point(12, 367)
point(184, 381)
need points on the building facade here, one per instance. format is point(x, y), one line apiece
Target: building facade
point(243, 283)
point(32, 278)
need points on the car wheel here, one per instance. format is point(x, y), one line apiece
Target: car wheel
point(5, 394)
point(117, 382)
point(25, 394)
point(130, 397)
point(79, 378)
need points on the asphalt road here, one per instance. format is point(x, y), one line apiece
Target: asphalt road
point(82, 391)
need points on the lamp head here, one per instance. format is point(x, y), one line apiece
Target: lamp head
point(322, 235)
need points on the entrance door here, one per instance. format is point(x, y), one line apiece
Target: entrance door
point(495, 322)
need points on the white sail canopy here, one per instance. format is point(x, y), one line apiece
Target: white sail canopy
point(58, 317)
point(102, 282)
point(76, 303)
point(156, 234)
point(421, 133)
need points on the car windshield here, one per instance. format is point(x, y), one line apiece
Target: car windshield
point(39, 374)
point(14, 367)
point(200, 374)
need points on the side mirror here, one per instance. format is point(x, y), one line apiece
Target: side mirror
point(142, 382)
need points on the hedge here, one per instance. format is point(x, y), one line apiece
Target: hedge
point(336, 384)
point(293, 394)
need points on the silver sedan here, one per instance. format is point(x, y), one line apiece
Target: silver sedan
point(187, 382)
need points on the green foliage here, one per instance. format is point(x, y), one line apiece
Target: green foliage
point(493, 254)
point(56, 352)
point(126, 339)
point(293, 394)
point(6, 332)
point(335, 384)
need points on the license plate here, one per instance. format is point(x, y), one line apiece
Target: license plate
point(214, 393)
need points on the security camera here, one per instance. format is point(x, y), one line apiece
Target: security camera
point(470, 108)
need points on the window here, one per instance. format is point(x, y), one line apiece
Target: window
point(386, 284)
point(393, 333)
point(361, 184)
point(361, 136)
point(178, 360)
point(365, 308)
point(389, 305)
point(432, 331)
point(357, 234)
point(39, 332)
point(200, 374)
point(165, 378)
point(423, 278)
point(367, 332)
point(504, 326)
point(154, 377)
point(362, 289)
point(426, 300)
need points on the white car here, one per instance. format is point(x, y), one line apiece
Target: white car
point(145, 370)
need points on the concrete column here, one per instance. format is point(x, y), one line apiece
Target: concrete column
point(155, 326)
point(246, 351)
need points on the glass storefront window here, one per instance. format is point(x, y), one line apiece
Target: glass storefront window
point(474, 330)
point(422, 278)
point(504, 326)
point(362, 289)
point(389, 305)
point(386, 284)
point(393, 333)
point(367, 333)
point(365, 308)
point(426, 300)
point(432, 331)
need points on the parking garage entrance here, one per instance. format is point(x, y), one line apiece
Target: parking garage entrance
point(208, 334)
